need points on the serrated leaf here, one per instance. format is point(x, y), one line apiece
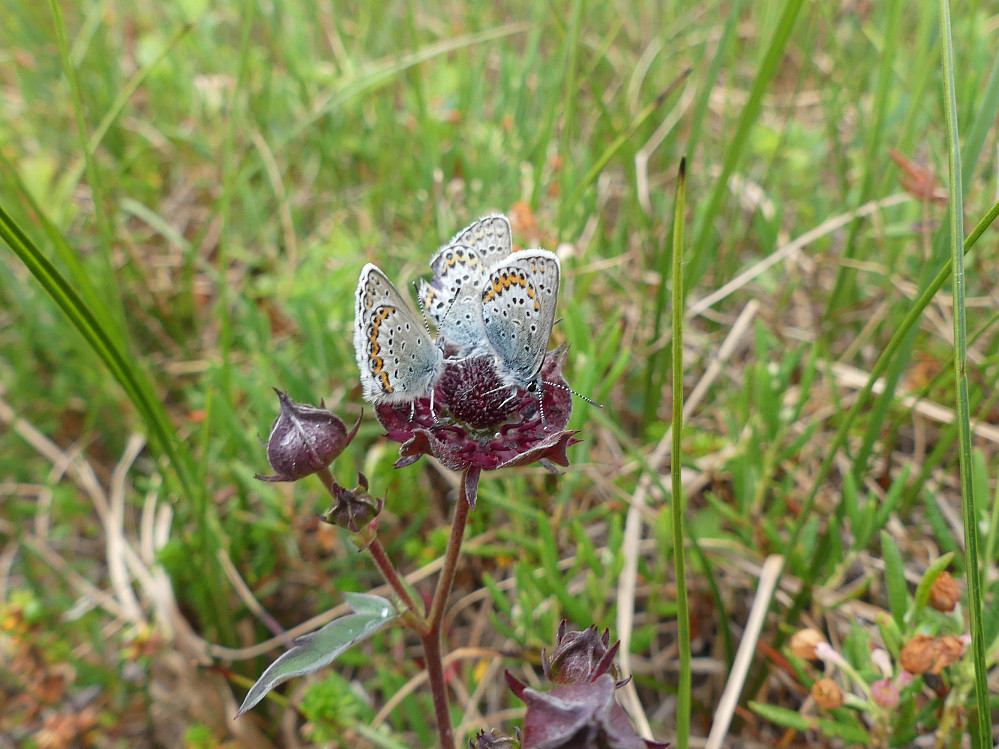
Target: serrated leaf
point(317, 649)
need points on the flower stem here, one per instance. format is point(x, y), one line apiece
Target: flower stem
point(374, 546)
point(391, 576)
point(432, 638)
point(435, 673)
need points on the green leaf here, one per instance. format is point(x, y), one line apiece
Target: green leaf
point(781, 716)
point(106, 343)
point(894, 578)
point(313, 651)
point(932, 573)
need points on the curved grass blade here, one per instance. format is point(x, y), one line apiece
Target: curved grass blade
point(104, 344)
point(678, 503)
point(955, 216)
point(740, 138)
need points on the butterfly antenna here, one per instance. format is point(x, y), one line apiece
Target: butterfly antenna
point(423, 309)
point(570, 390)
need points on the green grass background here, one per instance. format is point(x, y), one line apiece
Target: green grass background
point(208, 180)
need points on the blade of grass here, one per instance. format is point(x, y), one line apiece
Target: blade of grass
point(613, 148)
point(104, 344)
point(209, 533)
point(873, 157)
point(955, 215)
point(110, 312)
point(728, 38)
point(381, 73)
point(122, 99)
point(678, 504)
point(860, 402)
point(569, 94)
point(740, 139)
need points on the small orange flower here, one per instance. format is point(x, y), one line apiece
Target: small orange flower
point(803, 643)
point(827, 694)
point(919, 654)
point(945, 593)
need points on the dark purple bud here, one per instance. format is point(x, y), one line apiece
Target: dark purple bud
point(353, 510)
point(579, 656)
point(304, 440)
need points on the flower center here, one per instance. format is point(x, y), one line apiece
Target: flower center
point(475, 395)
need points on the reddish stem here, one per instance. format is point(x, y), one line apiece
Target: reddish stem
point(438, 688)
point(378, 552)
point(446, 580)
point(392, 577)
point(432, 640)
point(429, 627)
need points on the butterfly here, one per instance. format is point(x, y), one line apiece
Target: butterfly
point(399, 360)
point(460, 268)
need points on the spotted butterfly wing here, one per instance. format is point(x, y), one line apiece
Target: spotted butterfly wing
point(398, 359)
point(519, 299)
point(460, 268)
point(451, 299)
point(490, 237)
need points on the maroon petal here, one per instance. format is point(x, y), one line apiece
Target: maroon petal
point(560, 718)
point(472, 485)
point(425, 443)
point(553, 448)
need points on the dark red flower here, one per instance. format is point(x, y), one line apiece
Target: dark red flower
point(583, 715)
point(474, 421)
point(581, 712)
point(304, 439)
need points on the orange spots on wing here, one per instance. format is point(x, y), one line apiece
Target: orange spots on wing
point(504, 281)
point(377, 363)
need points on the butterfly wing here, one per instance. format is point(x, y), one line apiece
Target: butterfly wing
point(398, 360)
point(519, 300)
point(460, 269)
point(451, 299)
point(489, 237)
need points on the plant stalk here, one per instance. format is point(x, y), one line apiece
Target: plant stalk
point(432, 639)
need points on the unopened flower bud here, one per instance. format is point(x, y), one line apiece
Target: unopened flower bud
point(945, 593)
point(884, 694)
point(827, 694)
point(355, 508)
point(919, 654)
point(304, 440)
point(803, 643)
point(578, 656)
